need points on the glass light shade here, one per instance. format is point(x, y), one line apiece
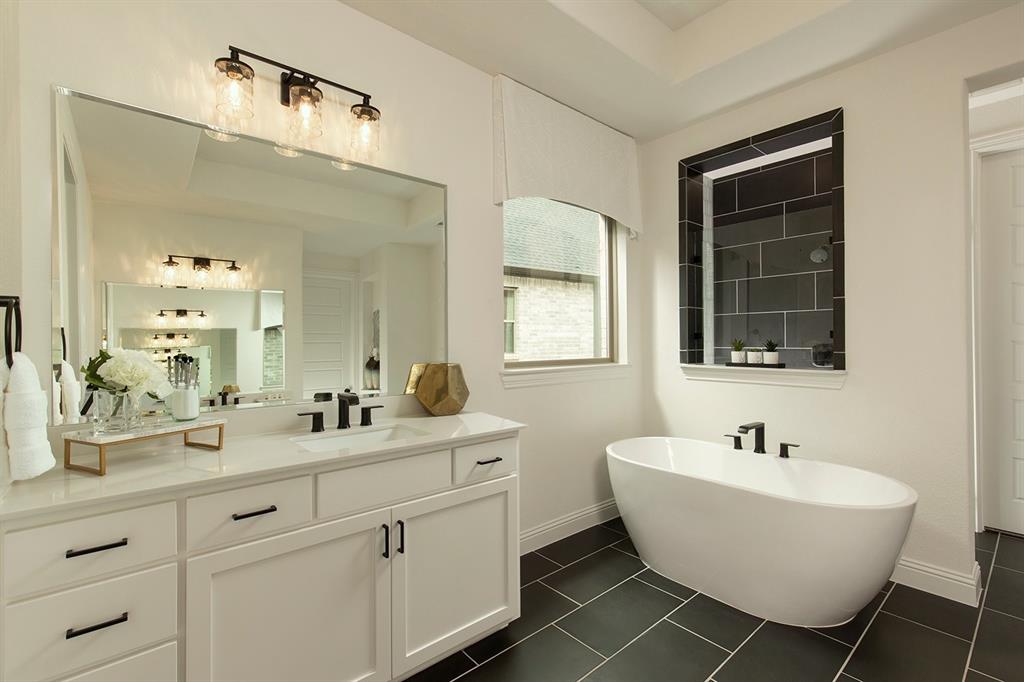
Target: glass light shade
point(169, 271)
point(342, 165)
point(306, 121)
point(201, 276)
point(234, 89)
point(202, 320)
point(365, 139)
point(220, 135)
point(286, 151)
point(161, 320)
point(234, 275)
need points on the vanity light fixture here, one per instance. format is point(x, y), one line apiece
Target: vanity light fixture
point(301, 94)
point(202, 271)
point(182, 316)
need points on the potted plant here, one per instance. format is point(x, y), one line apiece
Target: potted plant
point(771, 352)
point(738, 356)
point(755, 356)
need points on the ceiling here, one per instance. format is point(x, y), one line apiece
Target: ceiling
point(650, 67)
point(677, 13)
point(147, 160)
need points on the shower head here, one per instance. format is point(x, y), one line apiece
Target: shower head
point(820, 255)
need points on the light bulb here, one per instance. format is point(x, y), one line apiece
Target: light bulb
point(365, 140)
point(305, 121)
point(234, 89)
point(201, 276)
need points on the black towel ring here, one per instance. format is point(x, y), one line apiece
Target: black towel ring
point(12, 339)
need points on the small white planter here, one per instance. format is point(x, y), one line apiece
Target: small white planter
point(771, 358)
point(755, 357)
point(739, 356)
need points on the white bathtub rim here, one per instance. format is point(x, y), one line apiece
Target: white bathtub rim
point(909, 501)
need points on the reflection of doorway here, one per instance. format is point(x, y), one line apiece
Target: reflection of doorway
point(998, 240)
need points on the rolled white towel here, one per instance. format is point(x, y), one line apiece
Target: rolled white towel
point(24, 420)
point(56, 418)
point(70, 390)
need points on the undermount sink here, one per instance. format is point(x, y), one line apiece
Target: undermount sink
point(356, 439)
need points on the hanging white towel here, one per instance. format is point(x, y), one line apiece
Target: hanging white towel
point(70, 391)
point(56, 418)
point(5, 468)
point(24, 420)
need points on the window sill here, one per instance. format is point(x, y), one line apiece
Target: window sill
point(803, 378)
point(549, 376)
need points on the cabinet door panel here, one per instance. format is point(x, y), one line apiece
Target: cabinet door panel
point(459, 574)
point(308, 605)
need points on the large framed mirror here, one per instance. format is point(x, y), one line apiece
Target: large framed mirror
point(287, 276)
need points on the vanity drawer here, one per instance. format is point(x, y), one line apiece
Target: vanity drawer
point(156, 665)
point(50, 556)
point(373, 485)
point(485, 460)
point(235, 515)
point(51, 635)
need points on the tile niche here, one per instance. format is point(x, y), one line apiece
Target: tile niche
point(761, 246)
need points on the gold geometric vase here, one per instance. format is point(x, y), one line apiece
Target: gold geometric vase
point(439, 386)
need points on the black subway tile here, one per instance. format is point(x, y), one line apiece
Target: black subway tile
point(791, 181)
point(682, 170)
point(839, 361)
point(804, 329)
point(795, 358)
point(838, 226)
point(691, 328)
point(823, 290)
point(691, 243)
point(738, 262)
point(694, 201)
point(691, 285)
point(794, 138)
point(837, 160)
point(775, 294)
point(793, 127)
point(792, 255)
point(753, 328)
point(746, 227)
point(839, 324)
point(725, 297)
point(723, 197)
point(810, 215)
point(716, 151)
point(837, 121)
point(823, 172)
point(839, 269)
point(728, 159)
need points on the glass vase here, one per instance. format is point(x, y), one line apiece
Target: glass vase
point(116, 412)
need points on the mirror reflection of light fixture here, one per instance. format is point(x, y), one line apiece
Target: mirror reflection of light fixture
point(169, 269)
point(161, 319)
point(234, 274)
point(342, 165)
point(183, 318)
point(299, 92)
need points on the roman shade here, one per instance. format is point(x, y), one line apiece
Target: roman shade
point(545, 149)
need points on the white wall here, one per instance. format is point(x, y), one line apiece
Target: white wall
point(159, 55)
point(130, 242)
point(904, 410)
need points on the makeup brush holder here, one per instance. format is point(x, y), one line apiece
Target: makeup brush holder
point(184, 404)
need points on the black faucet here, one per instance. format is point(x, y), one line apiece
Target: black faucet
point(318, 420)
point(758, 429)
point(346, 399)
point(365, 412)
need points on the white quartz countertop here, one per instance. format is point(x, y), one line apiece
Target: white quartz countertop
point(166, 465)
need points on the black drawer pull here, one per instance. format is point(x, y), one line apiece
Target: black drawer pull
point(72, 553)
point(401, 537)
point(71, 633)
point(260, 512)
point(481, 462)
point(387, 540)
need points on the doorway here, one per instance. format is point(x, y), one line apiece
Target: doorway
point(997, 146)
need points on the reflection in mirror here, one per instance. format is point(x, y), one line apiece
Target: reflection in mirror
point(282, 276)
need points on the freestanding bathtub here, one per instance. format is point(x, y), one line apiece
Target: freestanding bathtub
point(794, 541)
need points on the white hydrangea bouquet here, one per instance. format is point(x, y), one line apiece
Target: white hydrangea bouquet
point(132, 372)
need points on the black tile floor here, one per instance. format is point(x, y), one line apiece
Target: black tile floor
point(592, 611)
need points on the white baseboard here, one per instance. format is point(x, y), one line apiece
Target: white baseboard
point(960, 587)
point(564, 526)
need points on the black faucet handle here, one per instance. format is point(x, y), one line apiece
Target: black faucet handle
point(784, 449)
point(318, 420)
point(737, 441)
point(365, 414)
point(349, 397)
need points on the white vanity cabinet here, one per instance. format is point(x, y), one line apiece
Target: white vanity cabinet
point(313, 604)
point(367, 570)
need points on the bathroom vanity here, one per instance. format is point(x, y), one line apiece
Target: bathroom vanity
point(361, 555)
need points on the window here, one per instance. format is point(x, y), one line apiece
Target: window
point(510, 323)
point(559, 284)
